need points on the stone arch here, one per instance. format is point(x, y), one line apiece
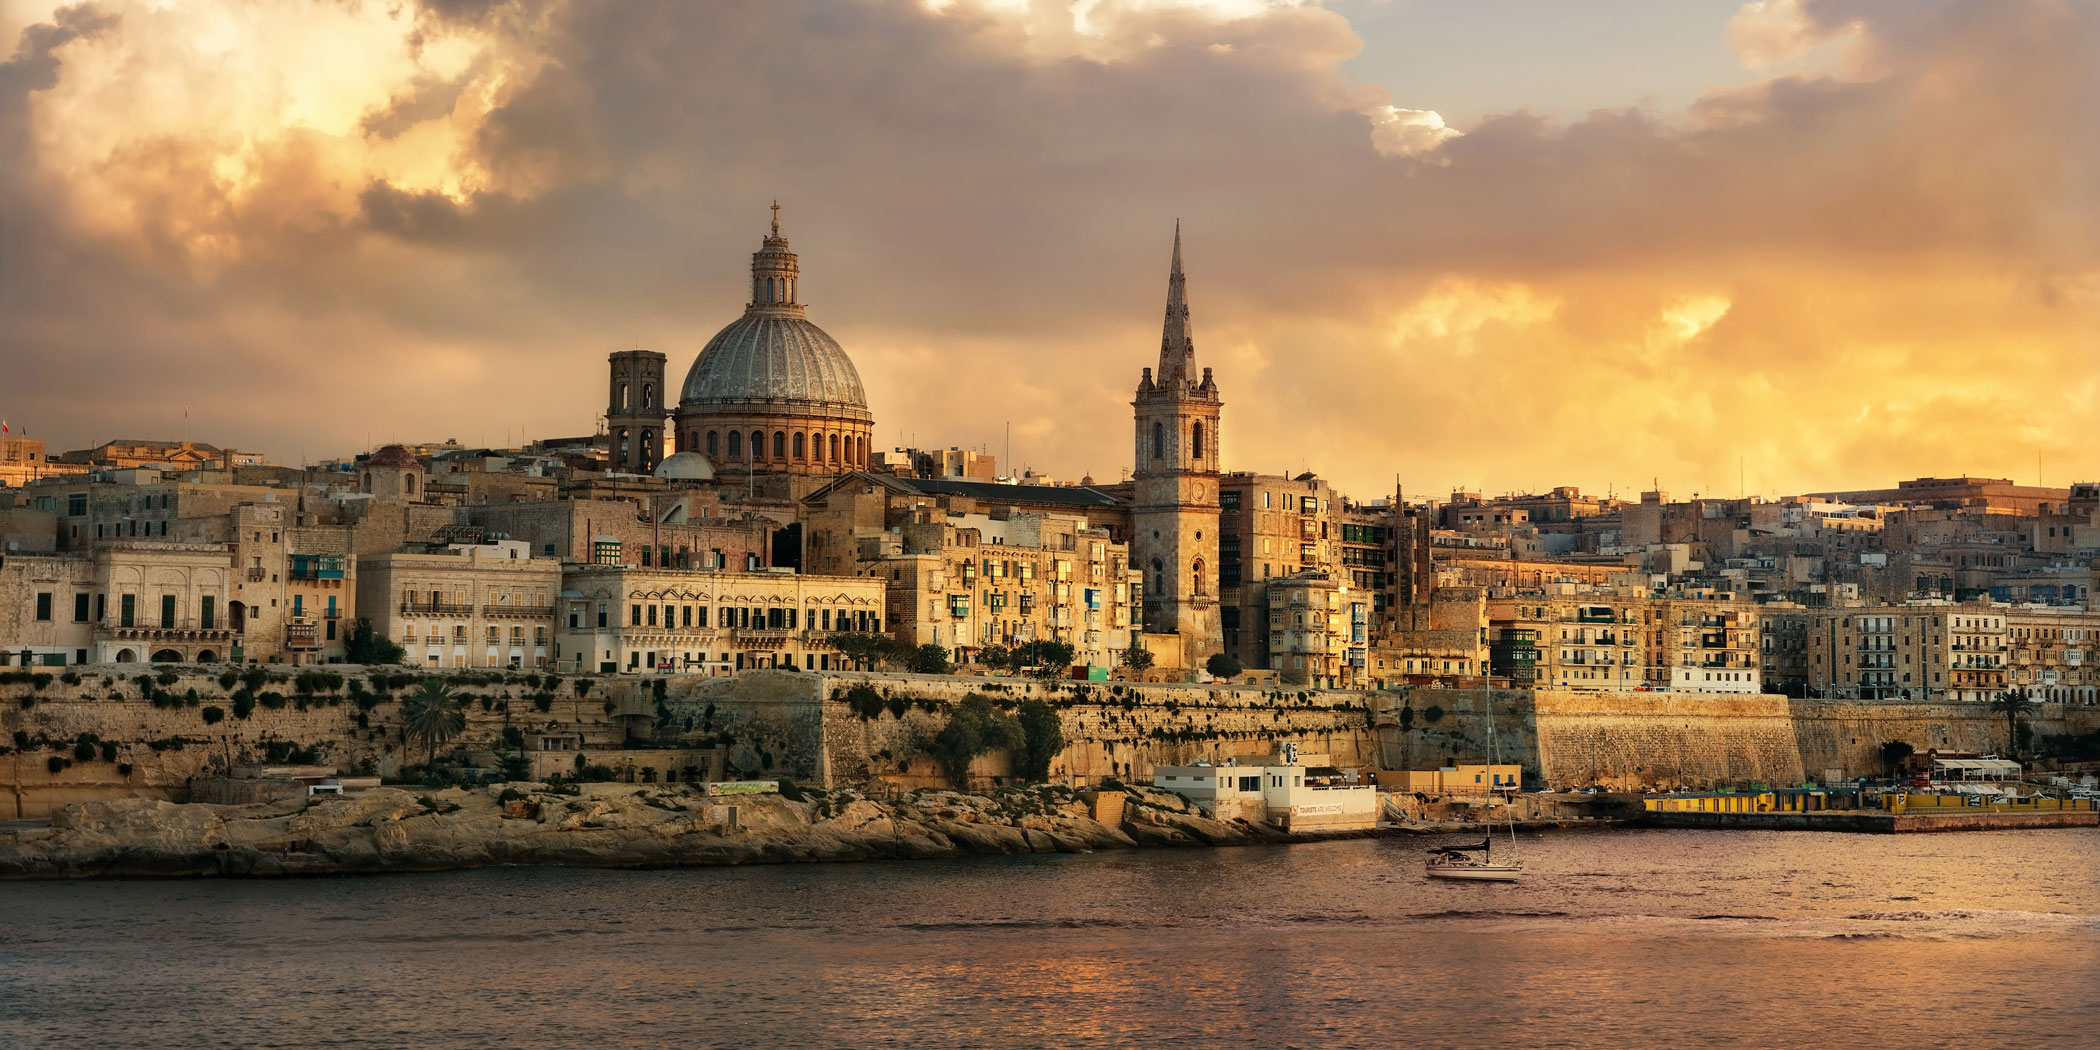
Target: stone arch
point(126, 656)
point(206, 656)
point(167, 656)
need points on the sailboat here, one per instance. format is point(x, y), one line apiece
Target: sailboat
point(1477, 863)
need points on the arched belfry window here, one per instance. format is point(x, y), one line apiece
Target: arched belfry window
point(1159, 440)
point(1159, 578)
point(1196, 442)
point(649, 397)
point(622, 402)
point(1196, 578)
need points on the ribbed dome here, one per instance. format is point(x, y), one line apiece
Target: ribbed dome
point(775, 357)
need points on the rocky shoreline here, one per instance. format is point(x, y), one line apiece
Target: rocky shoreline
point(393, 829)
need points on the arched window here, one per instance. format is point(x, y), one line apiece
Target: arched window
point(736, 444)
point(758, 444)
point(649, 395)
point(800, 453)
point(411, 479)
point(368, 481)
point(1196, 442)
point(1196, 582)
point(1159, 440)
point(1159, 578)
point(711, 443)
point(622, 399)
point(834, 448)
point(780, 444)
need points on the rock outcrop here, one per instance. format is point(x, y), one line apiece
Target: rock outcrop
point(592, 825)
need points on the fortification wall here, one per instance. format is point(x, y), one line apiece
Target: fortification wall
point(1847, 734)
point(1110, 729)
point(136, 748)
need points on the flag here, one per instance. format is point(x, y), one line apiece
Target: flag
point(3, 426)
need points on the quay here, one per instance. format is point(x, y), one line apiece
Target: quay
point(1874, 821)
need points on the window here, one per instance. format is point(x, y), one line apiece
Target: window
point(780, 444)
point(605, 552)
point(634, 616)
point(167, 609)
point(127, 615)
point(800, 451)
point(1159, 440)
point(76, 504)
point(1196, 441)
point(601, 614)
point(736, 443)
point(208, 612)
point(43, 605)
point(80, 608)
point(758, 444)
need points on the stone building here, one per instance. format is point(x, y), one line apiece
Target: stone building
point(622, 532)
point(617, 618)
point(1592, 641)
point(488, 604)
point(1310, 624)
point(1174, 487)
point(771, 392)
point(1704, 646)
point(1927, 652)
point(2054, 654)
point(393, 473)
point(965, 575)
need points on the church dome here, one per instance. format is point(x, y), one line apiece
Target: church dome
point(771, 393)
point(774, 356)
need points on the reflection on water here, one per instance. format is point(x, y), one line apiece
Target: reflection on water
point(1615, 939)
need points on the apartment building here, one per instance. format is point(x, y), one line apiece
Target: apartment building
point(488, 604)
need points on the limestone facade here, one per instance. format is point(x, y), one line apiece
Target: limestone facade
point(464, 605)
point(619, 618)
point(635, 411)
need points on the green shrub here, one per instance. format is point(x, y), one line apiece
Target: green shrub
point(70, 678)
point(1432, 714)
point(790, 791)
point(109, 751)
point(123, 769)
point(56, 764)
point(84, 751)
point(898, 705)
point(510, 795)
point(167, 676)
point(583, 686)
point(271, 699)
point(28, 702)
point(213, 715)
point(543, 701)
point(227, 678)
point(864, 700)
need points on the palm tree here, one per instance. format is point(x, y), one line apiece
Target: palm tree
point(2014, 703)
point(433, 714)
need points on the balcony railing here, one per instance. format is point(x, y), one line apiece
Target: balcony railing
point(302, 636)
point(256, 574)
point(438, 609)
point(518, 611)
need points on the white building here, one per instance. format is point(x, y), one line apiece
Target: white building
point(1287, 795)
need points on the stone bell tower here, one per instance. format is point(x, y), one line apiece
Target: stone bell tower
point(1174, 518)
point(635, 412)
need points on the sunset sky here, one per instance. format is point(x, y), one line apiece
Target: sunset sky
point(1499, 246)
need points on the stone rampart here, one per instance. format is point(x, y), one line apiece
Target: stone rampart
point(1111, 729)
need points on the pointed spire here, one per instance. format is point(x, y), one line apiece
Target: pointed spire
point(1177, 347)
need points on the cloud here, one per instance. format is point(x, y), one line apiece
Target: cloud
point(324, 225)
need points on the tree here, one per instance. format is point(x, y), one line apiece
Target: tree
point(1042, 735)
point(1050, 659)
point(975, 728)
point(1137, 658)
point(869, 649)
point(995, 656)
point(1222, 665)
point(930, 659)
point(433, 714)
point(2013, 704)
point(365, 645)
point(1893, 752)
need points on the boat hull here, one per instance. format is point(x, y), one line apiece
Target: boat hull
point(1477, 872)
